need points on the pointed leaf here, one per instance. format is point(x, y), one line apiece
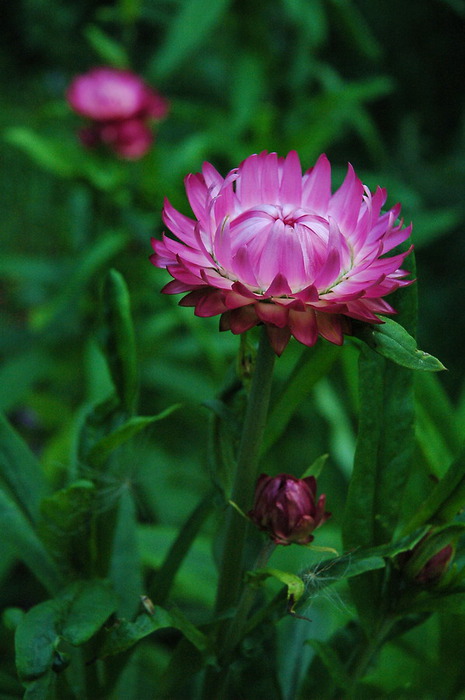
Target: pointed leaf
point(125, 634)
point(105, 446)
point(391, 340)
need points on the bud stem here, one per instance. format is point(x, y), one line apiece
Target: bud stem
point(231, 571)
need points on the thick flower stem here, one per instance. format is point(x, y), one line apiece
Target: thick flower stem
point(231, 571)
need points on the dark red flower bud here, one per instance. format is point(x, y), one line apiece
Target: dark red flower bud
point(436, 566)
point(286, 508)
point(432, 570)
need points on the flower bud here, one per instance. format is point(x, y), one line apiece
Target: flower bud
point(431, 571)
point(286, 508)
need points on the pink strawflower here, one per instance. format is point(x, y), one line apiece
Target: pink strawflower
point(269, 245)
point(286, 508)
point(120, 104)
point(108, 94)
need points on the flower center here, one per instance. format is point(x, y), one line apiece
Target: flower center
point(279, 239)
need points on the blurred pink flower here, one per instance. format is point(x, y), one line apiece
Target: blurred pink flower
point(286, 508)
point(269, 245)
point(120, 104)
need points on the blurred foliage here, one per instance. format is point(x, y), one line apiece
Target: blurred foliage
point(379, 84)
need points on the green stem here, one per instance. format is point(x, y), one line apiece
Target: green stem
point(367, 652)
point(231, 571)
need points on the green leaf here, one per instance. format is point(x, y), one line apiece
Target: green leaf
point(316, 468)
point(176, 554)
point(109, 50)
point(125, 634)
point(75, 615)
point(16, 529)
point(445, 500)
point(195, 20)
point(105, 446)
point(119, 342)
point(20, 471)
point(391, 340)
point(48, 153)
point(65, 525)
point(125, 564)
point(295, 585)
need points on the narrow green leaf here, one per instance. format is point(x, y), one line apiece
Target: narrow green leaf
point(46, 152)
point(318, 361)
point(20, 471)
point(16, 529)
point(105, 446)
point(391, 340)
point(119, 342)
point(109, 50)
point(445, 500)
point(195, 20)
point(166, 574)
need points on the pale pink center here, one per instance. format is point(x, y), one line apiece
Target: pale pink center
point(280, 239)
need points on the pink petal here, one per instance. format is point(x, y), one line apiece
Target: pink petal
point(346, 202)
point(180, 225)
point(291, 181)
point(278, 337)
point(331, 269)
point(278, 287)
point(316, 189)
point(210, 305)
point(330, 328)
point(303, 326)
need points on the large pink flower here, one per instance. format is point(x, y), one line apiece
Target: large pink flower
point(269, 245)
